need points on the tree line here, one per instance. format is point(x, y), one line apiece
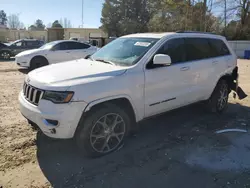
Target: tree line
point(13, 22)
point(230, 18)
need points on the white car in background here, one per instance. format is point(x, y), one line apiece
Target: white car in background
point(54, 52)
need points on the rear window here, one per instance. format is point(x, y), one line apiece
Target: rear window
point(219, 47)
point(197, 48)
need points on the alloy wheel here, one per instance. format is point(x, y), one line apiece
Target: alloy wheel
point(223, 97)
point(5, 55)
point(107, 133)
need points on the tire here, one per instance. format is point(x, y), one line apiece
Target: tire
point(5, 55)
point(96, 138)
point(38, 62)
point(218, 101)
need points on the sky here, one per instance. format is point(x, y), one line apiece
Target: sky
point(50, 10)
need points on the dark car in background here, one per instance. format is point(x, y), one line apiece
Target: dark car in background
point(8, 50)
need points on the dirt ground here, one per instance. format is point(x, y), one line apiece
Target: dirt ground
point(176, 149)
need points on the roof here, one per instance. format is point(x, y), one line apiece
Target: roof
point(150, 35)
point(160, 35)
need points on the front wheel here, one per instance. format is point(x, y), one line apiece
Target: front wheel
point(38, 62)
point(5, 55)
point(219, 98)
point(103, 130)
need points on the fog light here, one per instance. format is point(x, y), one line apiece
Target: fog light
point(50, 122)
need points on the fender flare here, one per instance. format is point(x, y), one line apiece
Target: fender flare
point(106, 99)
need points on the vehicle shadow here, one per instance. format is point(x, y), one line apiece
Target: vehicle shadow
point(24, 70)
point(63, 166)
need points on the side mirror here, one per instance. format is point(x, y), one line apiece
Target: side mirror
point(162, 59)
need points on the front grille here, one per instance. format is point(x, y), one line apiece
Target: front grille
point(32, 94)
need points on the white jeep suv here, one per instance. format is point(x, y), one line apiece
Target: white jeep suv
point(99, 100)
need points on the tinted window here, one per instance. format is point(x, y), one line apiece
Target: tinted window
point(219, 47)
point(2, 45)
point(18, 44)
point(83, 46)
point(32, 43)
point(76, 45)
point(61, 46)
point(197, 48)
point(175, 48)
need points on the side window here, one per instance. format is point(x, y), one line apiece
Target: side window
point(19, 44)
point(219, 47)
point(30, 43)
point(72, 45)
point(197, 48)
point(83, 46)
point(175, 48)
point(77, 46)
point(61, 46)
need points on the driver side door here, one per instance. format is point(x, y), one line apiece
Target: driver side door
point(17, 47)
point(168, 87)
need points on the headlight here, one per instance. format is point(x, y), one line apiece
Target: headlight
point(57, 96)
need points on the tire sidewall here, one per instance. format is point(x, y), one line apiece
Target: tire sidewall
point(213, 102)
point(34, 63)
point(86, 124)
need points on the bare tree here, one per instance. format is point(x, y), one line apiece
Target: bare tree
point(14, 22)
point(65, 23)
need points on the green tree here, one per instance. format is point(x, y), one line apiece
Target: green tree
point(121, 17)
point(56, 24)
point(39, 24)
point(3, 18)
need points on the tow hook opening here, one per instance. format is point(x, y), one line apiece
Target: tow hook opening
point(53, 131)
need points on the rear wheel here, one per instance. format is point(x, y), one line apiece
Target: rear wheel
point(103, 130)
point(219, 98)
point(38, 62)
point(5, 55)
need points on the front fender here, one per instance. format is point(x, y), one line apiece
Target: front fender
point(106, 99)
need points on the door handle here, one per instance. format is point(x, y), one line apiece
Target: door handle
point(67, 52)
point(215, 62)
point(184, 68)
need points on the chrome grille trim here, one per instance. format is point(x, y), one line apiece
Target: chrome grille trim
point(32, 94)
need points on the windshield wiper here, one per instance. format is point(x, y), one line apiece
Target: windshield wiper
point(104, 61)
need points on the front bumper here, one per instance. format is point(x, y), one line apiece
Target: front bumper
point(22, 61)
point(68, 116)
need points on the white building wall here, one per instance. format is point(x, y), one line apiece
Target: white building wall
point(239, 47)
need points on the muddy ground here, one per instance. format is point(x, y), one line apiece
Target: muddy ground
point(176, 149)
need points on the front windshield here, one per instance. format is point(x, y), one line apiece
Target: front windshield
point(48, 46)
point(124, 51)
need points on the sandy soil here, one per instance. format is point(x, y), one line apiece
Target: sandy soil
point(176, 149)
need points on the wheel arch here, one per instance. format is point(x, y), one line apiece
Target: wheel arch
point(121, 100)
point(39, 56)
point(228, 77)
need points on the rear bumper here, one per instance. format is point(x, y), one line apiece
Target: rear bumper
point(235, 85)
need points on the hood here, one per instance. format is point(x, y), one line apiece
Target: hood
point(28, 52)
point(73, 72)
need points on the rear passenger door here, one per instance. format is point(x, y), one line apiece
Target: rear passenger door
point(220, 60)
point(200, 56)
point(78, 50)
point(59, 53)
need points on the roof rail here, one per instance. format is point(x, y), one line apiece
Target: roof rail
point(200, 32)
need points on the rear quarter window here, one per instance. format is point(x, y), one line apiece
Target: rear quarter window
point(219, 47)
